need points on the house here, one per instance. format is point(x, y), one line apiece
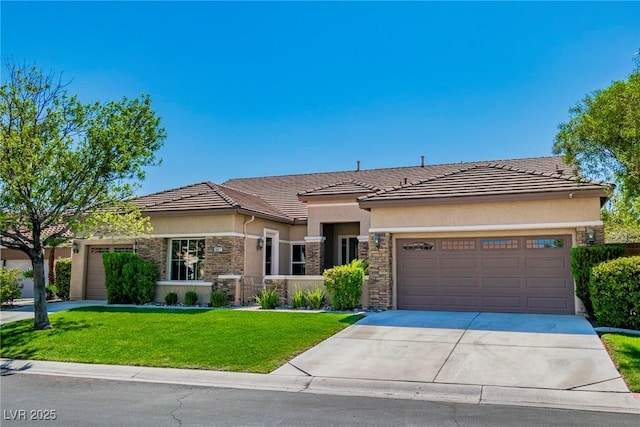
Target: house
point(14, 258)
point(489, 236)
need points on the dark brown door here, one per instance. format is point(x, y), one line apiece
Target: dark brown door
point(501, 274)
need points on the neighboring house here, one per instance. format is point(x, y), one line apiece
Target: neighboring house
point(14, 258)
point(490, 236)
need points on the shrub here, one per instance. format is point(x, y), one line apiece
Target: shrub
point(583, 259)
point(344, 283)
point(298, 299)
point(51, 291)
point(267, 298)
point(191, 298)
point(171, 298)
point(128, 279)
point(63, 278)
point(316, 298)
point(218, 299)
point(10, 288)
point(615, 293)
point(117, 285)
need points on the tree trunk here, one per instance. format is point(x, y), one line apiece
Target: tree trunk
point(41, 318)
point(52, 265)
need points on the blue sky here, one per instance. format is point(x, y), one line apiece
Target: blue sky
point(250, 89)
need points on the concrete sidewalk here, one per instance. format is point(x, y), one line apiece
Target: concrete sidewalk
point(23, 309)
point(410, 390)
point(473, 358)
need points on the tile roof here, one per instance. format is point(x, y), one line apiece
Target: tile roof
point(484, 180)
point(339, 189)
point(207, 196)
point(282, 197)
point(282, 191)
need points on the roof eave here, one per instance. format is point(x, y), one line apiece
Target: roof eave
point(462, 199)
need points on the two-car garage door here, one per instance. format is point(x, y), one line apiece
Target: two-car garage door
point(506, 274)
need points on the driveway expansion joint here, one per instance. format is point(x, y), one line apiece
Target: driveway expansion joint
point(435, 378)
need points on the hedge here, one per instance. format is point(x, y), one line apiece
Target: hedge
point(63, 278)
point(615, 293)
point(344, 283)
point(128, 279)
point(583, 259)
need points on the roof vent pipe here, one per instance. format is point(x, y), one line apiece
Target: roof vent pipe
point(357, 165)
point(421, 161)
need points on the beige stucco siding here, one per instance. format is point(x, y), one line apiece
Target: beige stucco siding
point(192, 224)
point(524, 212)
point(336, 213)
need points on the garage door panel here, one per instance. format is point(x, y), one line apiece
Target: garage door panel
point(457, 263)
point(501, 282)
point(501, 263)
point(546, 262)
point(511, 274)
point(549, 283)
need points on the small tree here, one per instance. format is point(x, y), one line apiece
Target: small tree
point(67, 165)
point(10, 286)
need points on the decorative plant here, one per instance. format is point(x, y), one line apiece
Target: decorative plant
point(298, 299)
point(267, 298)
point(10, 288)
point(171, 298)
point(191, 298)
point(316, 298)
point(218, 299)
point(51, 291)
point(344, 283)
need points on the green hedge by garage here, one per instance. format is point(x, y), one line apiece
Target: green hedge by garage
point(583, 259)
point(615, 293)
point(128, 279)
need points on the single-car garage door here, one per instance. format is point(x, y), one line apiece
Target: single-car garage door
point(95, 288)
point(505, 274)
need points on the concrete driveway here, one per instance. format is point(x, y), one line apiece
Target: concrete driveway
point(559, 352)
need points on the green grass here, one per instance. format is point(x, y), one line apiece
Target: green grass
point(230, 340)
point(625, 352)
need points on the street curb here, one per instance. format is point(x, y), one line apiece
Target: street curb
point(437, 392)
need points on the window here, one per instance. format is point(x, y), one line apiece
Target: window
point(544, 243)
point(418, 246)
point(297, 260)
point(500, 244)
point(187, 259)
point(458, 245)
point(348, 249)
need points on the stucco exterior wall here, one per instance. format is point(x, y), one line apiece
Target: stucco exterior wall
point(336, 212)
point(190, 223)
point(497, 213)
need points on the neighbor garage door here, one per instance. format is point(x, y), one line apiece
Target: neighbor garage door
point(512, 274)
point(95, 287)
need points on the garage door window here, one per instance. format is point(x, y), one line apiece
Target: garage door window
point(544, 243)
point(458, 245)
point(187, 259)
point(500, 244)
point(418, 246)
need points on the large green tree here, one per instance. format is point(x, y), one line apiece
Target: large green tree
point(67, 165)
point(602, 139)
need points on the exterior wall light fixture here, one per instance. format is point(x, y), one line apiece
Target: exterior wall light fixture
point(260, 244)
point(74, 247)
point(376, 240)
point(591, 236)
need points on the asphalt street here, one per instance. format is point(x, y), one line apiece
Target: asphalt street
point(26, 400)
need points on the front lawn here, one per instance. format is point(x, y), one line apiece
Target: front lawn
point(230, 340)
point(625, 352)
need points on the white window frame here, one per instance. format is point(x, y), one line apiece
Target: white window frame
point(170, 257)
point(348, 237)
point(292, 263)
point(275, 252)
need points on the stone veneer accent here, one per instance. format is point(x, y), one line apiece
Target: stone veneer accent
point(363, 250)
point(581, 235)
point(229, 261)
point(154, 250)
point(314, 253)
point(380, 272)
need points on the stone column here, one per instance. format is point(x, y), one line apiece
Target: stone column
point(223, 255)
point(581, 235)
point(314, 255)
point(380, 272)
point(363, 247)
point(154, 250)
